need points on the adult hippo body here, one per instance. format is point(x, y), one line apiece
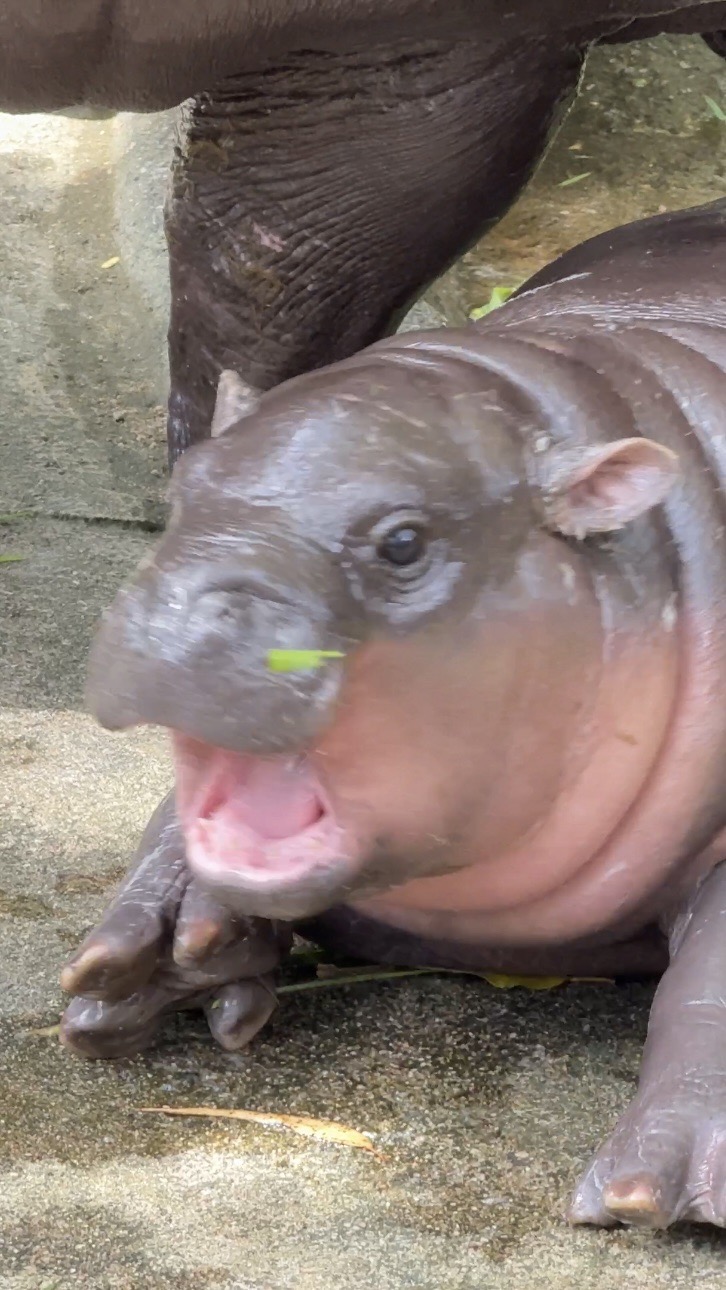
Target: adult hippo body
point(336, 156)
point(513, 539)
point(133, 56)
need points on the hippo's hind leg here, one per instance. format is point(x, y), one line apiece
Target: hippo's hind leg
point(667, 1157)
point(163, 945)
point(313, 200)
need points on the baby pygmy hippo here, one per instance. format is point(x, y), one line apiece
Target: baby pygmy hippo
point(511, 542)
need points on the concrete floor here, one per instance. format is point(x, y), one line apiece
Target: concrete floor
point(486, 1103)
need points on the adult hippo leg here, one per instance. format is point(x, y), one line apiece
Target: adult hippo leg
point(667, 1157)
point(314, 200)
point(164, 944)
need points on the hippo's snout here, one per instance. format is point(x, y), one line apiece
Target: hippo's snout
point(188, 648)
point(187, 645)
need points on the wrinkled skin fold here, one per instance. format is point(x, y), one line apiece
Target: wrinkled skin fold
point(512, 538)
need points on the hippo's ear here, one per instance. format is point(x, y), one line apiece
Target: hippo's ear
point(600, 489)
point(235, 399)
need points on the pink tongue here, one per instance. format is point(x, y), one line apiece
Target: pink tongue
point(276, 800)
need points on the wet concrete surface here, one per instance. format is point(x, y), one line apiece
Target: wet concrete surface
point(79, 345)
point(485, 1103)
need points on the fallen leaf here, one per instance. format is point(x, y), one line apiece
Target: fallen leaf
point(13, 516)
point(332, 978)
point(324, 1130)
point(501, 981)
point(574, 179)
point(11, 559)
point(715, 109)
point(499, 296)
point(299, 660)
point(108, 264)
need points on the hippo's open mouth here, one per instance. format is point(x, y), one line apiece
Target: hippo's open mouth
point(255, 824)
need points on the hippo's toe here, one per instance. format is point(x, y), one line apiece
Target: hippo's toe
point(98, 1029)
point(665, 1163)
point(92, 1028)
point(239, 1010)
point(164, 944)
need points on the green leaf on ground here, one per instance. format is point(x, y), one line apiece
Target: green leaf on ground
point(13, 516)
point(499, 296)
point(499, 980)
point(11, 559)
point(715, 109)
point(574, 179)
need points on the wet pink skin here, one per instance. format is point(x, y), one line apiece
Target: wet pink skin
point(268, 819)
point(508, 790)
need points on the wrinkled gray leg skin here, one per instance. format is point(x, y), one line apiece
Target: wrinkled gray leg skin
point(163, 945)
point(314, 200)
point(666, 1160)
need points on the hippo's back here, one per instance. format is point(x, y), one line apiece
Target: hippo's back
point(674, 262)
point(641, 310)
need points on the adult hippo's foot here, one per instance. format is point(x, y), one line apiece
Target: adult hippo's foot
point(313, 200)
point(165, 945)
point(666, 1160)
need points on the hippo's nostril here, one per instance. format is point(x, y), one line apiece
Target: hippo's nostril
point(224, 613)
point(214, 608)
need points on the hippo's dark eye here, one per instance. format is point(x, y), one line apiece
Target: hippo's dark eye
point(402, 546)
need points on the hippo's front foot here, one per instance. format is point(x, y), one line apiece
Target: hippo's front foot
point(666, 1160)
point(163, 945)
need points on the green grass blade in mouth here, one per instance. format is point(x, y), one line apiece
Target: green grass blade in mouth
point(299, 660)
